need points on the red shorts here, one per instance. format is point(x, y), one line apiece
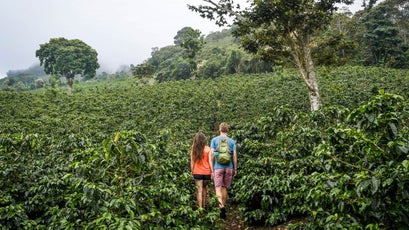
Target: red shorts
point(223, 177)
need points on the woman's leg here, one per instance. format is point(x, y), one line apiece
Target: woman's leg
point(204, 194)
point(199, 195)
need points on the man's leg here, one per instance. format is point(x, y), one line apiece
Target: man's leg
point(224, 196)
point(219, 186)
point(219, 194)
point(226, 184)
point(227, 179)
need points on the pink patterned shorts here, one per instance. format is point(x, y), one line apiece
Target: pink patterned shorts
point(223, 177)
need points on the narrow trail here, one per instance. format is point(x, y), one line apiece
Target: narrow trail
point(234, 221)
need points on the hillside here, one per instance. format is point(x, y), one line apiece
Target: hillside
point(115, 153)
point(197, 103)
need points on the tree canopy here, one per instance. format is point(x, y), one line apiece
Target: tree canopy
point(384, 31)
point(68, 58)
point(276, 29)
point(192, 42)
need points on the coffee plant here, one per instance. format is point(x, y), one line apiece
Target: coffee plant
point(353, 173)
point(115, 155)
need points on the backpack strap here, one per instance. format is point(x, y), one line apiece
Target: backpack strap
point(218, 143)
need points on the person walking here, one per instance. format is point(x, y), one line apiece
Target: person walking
point(222, 173)
point(200, 167)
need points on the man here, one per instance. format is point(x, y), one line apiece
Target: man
point(222, 174)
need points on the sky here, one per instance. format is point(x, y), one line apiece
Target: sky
point(123, 32)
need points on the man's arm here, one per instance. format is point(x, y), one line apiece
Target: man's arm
point(234, 163)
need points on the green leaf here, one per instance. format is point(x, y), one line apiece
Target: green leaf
point(362, 187)
point(375, 184)
point(405, 164)
point(393, 129)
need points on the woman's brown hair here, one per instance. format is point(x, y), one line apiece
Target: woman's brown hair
point(199, 143)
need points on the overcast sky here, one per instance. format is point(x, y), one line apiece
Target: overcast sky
point(123, 32)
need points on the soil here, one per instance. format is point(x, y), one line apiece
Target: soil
point(234, 221)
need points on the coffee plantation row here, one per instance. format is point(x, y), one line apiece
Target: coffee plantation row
point(115, 155)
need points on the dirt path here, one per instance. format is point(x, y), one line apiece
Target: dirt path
point(235, 222)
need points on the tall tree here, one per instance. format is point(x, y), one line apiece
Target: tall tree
point(68, 58)
point(233, 62)
point(401, 16)
point(192, 42)
point(383, 34)
point(275, 29)
point(334, 46)
point(143, 70)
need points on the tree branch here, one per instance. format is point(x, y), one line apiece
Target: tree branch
point(228, 9)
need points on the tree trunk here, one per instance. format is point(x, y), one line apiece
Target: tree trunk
point(70, 82)
point(302, 55)
point(310, 78)
point(313, 93)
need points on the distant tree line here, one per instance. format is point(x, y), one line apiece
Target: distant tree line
point(376, 36)
point(24, 79)
point(195, 56)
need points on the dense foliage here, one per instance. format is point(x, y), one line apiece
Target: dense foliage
point(115, 155)
point(375, 36)
point(198, 57)
point(337, 168)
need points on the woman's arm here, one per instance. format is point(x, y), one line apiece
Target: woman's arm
point(211, 160)
point(191, 162)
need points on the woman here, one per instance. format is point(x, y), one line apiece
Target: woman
point(200, 167)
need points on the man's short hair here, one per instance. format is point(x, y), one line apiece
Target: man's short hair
point(224, 127)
